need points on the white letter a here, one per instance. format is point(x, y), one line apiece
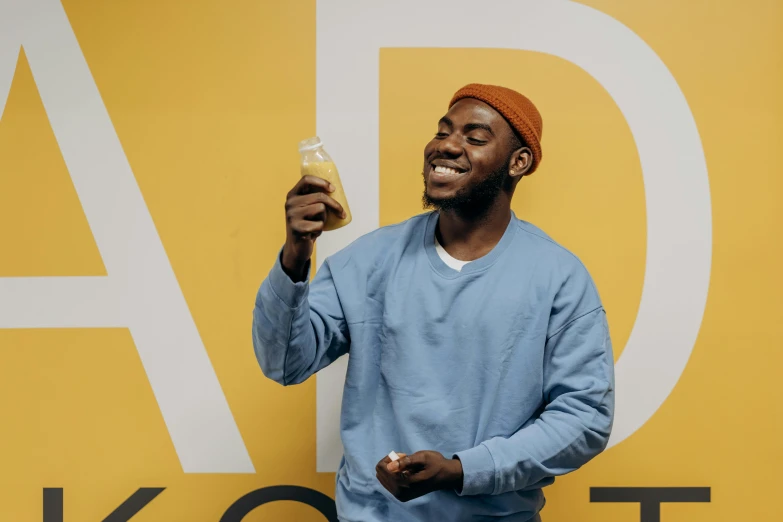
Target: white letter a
point(141, 291)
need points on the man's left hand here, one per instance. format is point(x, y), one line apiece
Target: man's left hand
point(419, 474)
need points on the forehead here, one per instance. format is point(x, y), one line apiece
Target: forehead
point(470, 110)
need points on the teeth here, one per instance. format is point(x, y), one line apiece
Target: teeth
point(446, 170)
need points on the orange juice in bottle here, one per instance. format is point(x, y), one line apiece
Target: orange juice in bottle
point(316, 162)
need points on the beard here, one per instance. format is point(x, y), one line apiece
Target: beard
point(471, 202)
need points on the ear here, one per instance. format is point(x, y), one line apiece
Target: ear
point(521, 161)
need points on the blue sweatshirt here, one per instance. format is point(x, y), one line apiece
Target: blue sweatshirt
point(506, 364)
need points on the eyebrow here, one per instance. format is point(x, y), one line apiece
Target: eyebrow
point(468, 127)
point(474, 126)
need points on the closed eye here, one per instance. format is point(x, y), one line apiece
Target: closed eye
point(475, 141)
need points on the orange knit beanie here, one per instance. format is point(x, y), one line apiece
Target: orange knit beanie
point(520, 113)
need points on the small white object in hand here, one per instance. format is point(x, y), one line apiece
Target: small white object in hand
point(394, 456)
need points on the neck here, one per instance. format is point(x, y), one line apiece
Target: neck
point(468, 238)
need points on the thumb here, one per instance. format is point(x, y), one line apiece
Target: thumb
point(413, 463)
point(395, 464)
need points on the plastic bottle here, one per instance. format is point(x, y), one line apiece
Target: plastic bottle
point(316, 162)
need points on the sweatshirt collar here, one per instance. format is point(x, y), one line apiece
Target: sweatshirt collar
point(474, 266)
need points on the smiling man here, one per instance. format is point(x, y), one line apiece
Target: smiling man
point(479, 347)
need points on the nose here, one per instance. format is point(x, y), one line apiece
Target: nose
point(450, 146)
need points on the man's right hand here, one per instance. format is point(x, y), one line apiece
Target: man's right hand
point(305, 214)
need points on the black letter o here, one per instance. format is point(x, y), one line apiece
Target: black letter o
point(239, 509)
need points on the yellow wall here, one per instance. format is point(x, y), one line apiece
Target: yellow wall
point(209, 100)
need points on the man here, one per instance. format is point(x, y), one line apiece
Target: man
point(479, 348)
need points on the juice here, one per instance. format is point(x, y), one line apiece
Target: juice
point(328, 171)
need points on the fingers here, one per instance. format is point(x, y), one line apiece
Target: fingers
point(387, 479)
point(306, 215)
point(313, 212)
point(309, 184)
point(412, 463)
point(312, 229)
point(384, 478)
point(404, 484)
point(319, 200)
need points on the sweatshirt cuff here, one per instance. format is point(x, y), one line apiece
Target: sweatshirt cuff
point(290, 293)
point(478, 470)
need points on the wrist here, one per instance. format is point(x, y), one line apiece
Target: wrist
point(454, 474)
point(295, 268)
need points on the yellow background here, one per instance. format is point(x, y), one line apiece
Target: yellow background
point(209, 99)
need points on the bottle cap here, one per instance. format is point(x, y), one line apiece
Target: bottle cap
point(310, 144)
